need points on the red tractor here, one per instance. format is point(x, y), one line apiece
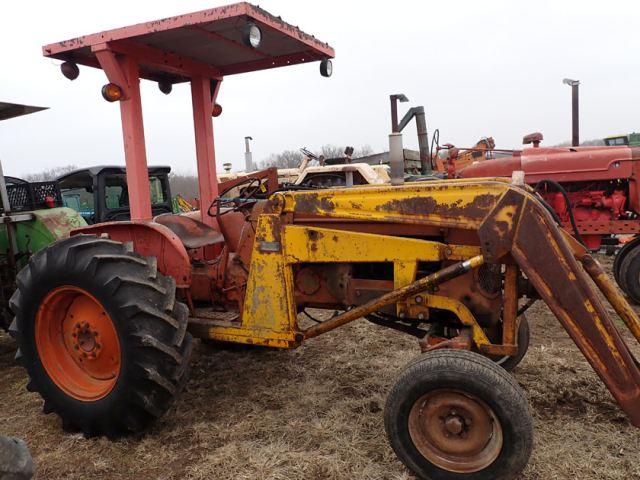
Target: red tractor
point(593, 192)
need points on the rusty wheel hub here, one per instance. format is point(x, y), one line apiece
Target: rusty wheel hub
point(86, 341)
point(455, 431)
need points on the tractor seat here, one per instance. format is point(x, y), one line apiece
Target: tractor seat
point(193, 233)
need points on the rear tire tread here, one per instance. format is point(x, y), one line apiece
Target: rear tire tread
point(152, 325)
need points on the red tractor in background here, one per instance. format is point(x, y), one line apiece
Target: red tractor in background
point(593, 192)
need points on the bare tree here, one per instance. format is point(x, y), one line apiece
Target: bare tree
point(50, 174)
point(596, 142)
point(363, 151)
point(184, 185)
point(292, 158)
point(334, 151)
point(286, 159)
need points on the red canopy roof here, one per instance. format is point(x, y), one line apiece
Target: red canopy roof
point(210, 40)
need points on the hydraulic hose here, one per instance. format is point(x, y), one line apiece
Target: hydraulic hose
point(563, 192)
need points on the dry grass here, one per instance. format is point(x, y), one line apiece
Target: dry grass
point(315, 413)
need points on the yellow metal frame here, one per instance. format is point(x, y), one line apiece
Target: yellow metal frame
point(269, 316)
point(510, 223)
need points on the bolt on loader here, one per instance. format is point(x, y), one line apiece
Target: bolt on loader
point(105, 319)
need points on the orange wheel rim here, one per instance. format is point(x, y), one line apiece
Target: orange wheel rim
point(78, 343)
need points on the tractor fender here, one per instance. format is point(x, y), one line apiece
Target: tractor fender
point(149, 239)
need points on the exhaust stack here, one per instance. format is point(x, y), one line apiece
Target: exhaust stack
point(575, 113)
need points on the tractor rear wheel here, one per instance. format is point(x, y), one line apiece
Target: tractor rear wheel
point(454, 414)
point(101, 335)
point(620, 256)
point(629, 274)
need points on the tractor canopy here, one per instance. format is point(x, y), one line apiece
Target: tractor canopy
point(210, 42)
point(200, 48)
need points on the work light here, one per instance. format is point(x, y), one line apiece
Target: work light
point(326, 67)
point(112, 92)
point(252, 35)
point(165, 86)
point(70, 70)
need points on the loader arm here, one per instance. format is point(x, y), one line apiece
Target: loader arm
point(510, 221)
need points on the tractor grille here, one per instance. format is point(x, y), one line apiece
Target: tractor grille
point(32, 196)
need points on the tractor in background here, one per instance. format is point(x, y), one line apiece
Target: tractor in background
point(100, 193)
point(316, 171)
point(594, 193)
point(105, 319)
point(32, 216)
point(631, 140)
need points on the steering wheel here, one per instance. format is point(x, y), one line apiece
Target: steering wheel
point(308, 153)
point(246, 199)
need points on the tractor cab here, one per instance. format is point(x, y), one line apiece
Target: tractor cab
point(631, 140)
point(100, 194)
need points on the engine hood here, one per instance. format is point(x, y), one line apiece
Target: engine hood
point(563, 164)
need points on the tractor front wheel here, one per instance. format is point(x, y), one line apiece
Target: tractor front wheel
point(455, 415)
point(101, 335)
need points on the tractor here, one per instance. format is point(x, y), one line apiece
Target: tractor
point(32, 217)
point(100, 193)
point(105, 320)
point(632, 140)
point(592, 191)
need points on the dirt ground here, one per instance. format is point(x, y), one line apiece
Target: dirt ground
point(316, 413)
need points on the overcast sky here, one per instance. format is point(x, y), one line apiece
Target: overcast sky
point(480, 68)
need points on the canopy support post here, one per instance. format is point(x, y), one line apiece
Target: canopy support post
point(203, 99)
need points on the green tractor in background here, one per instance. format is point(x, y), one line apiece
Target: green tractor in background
point(43, 212)
point(100, 194)
point(39, 213)
point(32, 216)
point(631, 140)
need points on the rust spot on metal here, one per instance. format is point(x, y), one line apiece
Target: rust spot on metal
point(429, 206)
point(313, 203)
